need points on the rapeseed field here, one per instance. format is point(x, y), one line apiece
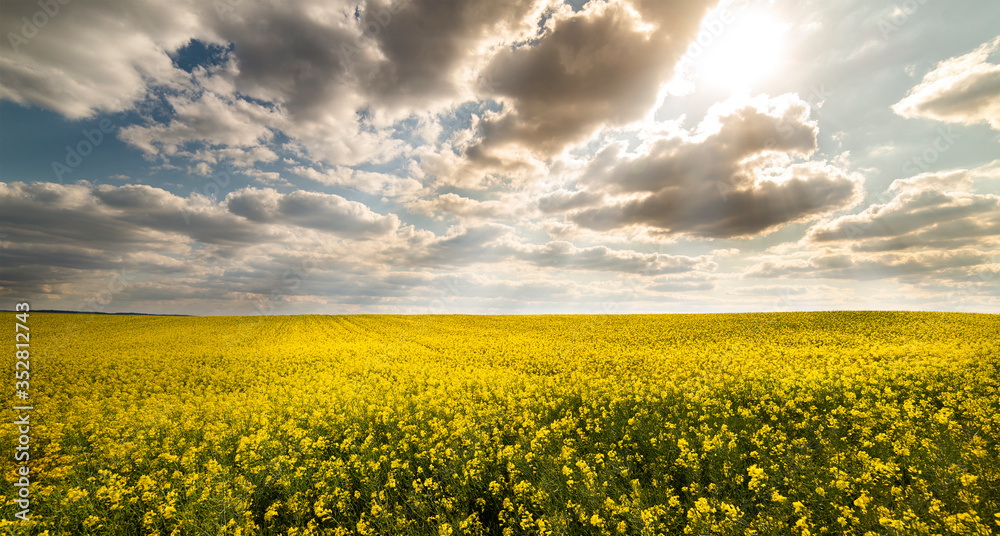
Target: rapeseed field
point(860, 423)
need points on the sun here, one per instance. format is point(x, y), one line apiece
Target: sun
point(737, 51)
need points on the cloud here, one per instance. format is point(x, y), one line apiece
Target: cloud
point(129, 218)
point(494, 243)
point(323, 212)
point(560, 254)
point(948, 181)
point(602, 65)
point(104, 229)
point(737, 178)
point(541, 131)
point(964, 89)
point(682, 286)
point(429, 49)
point(355, 72)
point(93, 56)
point(210, 119)
point(218, 256)
point(364, 181)
point(778, 290)
point(508, 207)
point(321, 90)
point(931, 210)
point(563, 201)
point(349, 70)
point(99, 218)
point(358, 69)
point(235, 249)
point(833, 264)
point(932, 227)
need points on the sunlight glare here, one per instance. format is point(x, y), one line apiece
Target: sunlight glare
point(742, 54)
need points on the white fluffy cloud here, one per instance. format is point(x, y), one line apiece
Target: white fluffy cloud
point(93, 56)
point(210, 119)
point(363, 181)
point(510, 208)
point(964, 89)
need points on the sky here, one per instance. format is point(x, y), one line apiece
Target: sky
point(473, 156)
